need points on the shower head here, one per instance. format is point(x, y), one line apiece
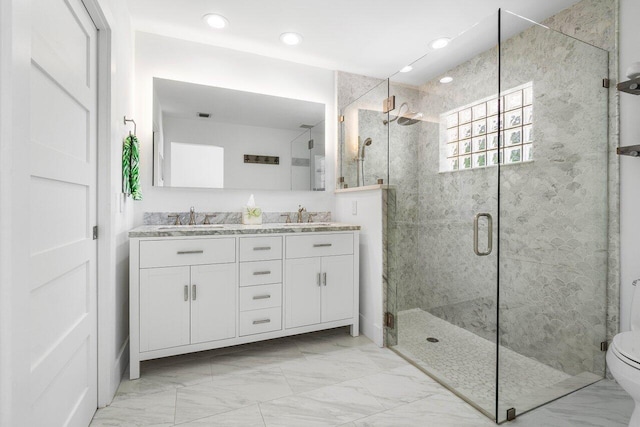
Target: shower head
point(367, 142)
point(407, 118)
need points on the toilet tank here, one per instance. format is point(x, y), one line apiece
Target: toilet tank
point(635, 307)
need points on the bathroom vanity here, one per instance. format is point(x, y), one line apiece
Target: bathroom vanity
point(195, 288)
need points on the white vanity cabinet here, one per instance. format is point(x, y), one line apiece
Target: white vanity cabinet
point(319, 290)
point(206, 290)
point(186, 305)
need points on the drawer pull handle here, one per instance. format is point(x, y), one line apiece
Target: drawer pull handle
point(262, 248)
point(190, 252)
point(261, 273)
point(262, 297)
point(318, 281)
point(186, 292)
point(324, 278)
point(321, 245)
point(193, 292)
point(259, 322)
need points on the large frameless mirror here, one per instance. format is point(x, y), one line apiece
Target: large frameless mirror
point(213, 137)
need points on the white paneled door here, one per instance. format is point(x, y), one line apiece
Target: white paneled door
point(62, 213)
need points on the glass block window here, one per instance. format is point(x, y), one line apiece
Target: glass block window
point(470, 134)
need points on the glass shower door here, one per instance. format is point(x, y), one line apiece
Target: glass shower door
point(442, 214)
point(553, 215)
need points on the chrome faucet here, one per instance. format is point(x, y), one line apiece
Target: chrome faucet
point(300, 211)
point(192, 216)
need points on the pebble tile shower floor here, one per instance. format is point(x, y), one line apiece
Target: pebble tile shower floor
point(466, 362)
point(321, 379)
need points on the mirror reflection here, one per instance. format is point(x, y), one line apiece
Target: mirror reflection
point(212, 137)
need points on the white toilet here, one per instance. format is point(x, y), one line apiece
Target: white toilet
point(623, 358)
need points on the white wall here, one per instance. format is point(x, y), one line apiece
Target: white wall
point(629, 166)
point(237, 140)
point(174, 59)
point(368, 215)
point(115, 99)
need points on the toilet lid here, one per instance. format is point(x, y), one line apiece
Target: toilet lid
point(628, 345)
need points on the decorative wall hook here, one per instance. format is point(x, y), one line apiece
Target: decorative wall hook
point(134, 124)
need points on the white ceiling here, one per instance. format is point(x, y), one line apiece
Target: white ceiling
point(370, 37)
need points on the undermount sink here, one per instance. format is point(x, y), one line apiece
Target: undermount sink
point(304, 224)
point(191, 227)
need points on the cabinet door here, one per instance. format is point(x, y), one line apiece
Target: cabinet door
point(213, 302)
point(337, 288)
point(164, 307)
point(302, 292)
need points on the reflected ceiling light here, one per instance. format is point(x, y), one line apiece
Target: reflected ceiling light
point(439, 43)
point(290, 39)
point(215, 21)
point(406, 69)
point(446, 79)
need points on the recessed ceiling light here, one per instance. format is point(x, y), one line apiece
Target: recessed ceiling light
point(291, 39)
point(446, 79)
point(406, 69)
point(439, 43)
point(215, 21)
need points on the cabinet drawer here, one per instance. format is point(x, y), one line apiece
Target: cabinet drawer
point(258, 321)
point(259, 297)
point(260, 248)
point(260, 272)
point(169, 253)
point(314, 244)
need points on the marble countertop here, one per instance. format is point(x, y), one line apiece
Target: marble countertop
point(231, 229)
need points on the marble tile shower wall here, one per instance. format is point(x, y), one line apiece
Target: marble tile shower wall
point(553, 266)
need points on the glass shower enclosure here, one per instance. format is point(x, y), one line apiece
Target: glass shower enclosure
point(495, 155)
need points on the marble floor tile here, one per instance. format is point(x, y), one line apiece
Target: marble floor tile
point(272, 354)
point(436, 411)
point(259, 385)
point(326, 406)
point(339, 340)
point(156, 409)
point(400, 386)
point(249, 416)
point(296, 382)
point(382, 357)
point(205, 400)
point(165, 377)
point(603, 404)
point(326, 369)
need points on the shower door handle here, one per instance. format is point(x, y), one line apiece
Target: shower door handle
point(476, 219)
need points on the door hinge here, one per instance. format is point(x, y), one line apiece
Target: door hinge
point(511, 414)
point(341, 119)
point(604, 346)
point(606, 83)
point(389, 104)
point(389, 320)
point(95, 232)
